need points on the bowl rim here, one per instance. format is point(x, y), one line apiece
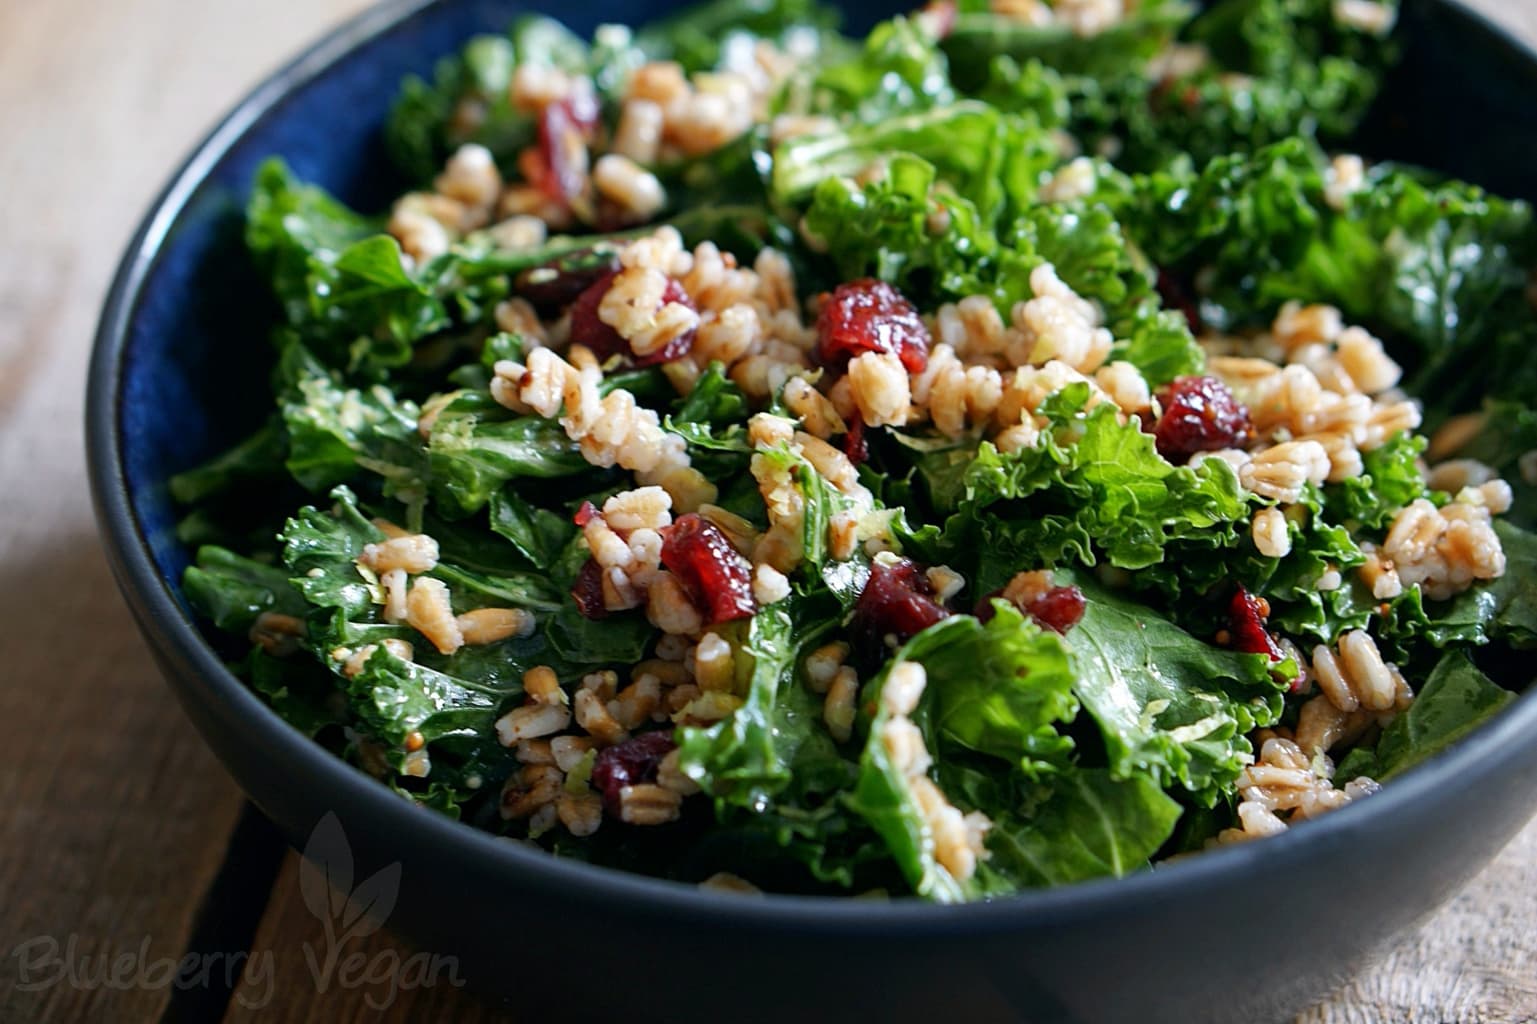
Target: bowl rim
point(176, 638)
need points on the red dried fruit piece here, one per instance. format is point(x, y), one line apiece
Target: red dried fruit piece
point(897, 601)
point(984, 611)
point(588, 329)
point(587, 591)
point(855, 446)
point(1246, 627)
point(584, 513)
point(1058, 609)
point(871, 316)
point(629, 764)
point(718, 579)
point(1200, 414)
point(553, 286)
point(563, 151)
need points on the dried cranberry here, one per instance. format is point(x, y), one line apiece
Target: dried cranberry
point(1176, 296)
point(587, 328)
point(587, 591)
point(629, 764)
point(1058, 609)
point(897, 601)
point(584, 513)
point(1200, 414)
point(871, 316)
point(984, 610)
point(563, 150)
point(1246, 626)
point(553, 286)
point(714, 573)
point(855, 446)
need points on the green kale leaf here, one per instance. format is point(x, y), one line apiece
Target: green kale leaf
point(1455, 700)
point(998, 688)
point(1092, 825)
point(1169, 707)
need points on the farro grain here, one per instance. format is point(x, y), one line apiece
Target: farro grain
point(394, 586)
point(532, 721)
point(1073, 180)
point(533, 752)
point(471, 178)
point(818, 416)
point(1364, 359)
point(669, 775)
point(580, 813)
point(530, 788)
point(714, 664)
point(880, 388)
point(725, 881)
point(1379, 575)
point(1453, 475)
point(417, 764)
point(1367, 15)
point(648, 804)
point(669, 608)
point(430, 613)
point(905, 683)
point(569, 751)
point(1272, 536)
point(639, 135)
point(1281, 472)
point(823, 663)
point(493, 625)
point(421, 237)
point(707, 708)
point(634, 705)
point(634, 189)
point(592, 715)
point(838, 708)
point(769, 585)
point(1347, 172)
point(945, 581)
point(389, 529)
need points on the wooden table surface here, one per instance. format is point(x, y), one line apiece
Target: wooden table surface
point(123, 844)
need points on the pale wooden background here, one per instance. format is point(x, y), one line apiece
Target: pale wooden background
point(113, 817)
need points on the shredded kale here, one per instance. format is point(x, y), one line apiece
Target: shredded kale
point(1172, 170)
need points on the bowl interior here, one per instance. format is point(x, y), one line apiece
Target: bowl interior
point(183, 360)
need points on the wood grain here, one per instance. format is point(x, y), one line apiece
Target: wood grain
point(116, 820)
point(115, 815)
point(292, 994)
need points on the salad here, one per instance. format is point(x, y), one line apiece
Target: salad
point(1021, 445)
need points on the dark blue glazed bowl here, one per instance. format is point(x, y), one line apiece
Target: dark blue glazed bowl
point(1250, 933)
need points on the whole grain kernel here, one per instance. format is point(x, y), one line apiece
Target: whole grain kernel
point(649, 804)
point(838, 709)
point(429, 612)
point(532, 721)
point(493, 625)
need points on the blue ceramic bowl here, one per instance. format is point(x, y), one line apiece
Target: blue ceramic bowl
point(1248, 933)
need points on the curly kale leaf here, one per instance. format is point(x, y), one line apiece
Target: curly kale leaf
point(1169, 707)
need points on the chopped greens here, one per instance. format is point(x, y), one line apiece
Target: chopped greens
point(941, 463)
